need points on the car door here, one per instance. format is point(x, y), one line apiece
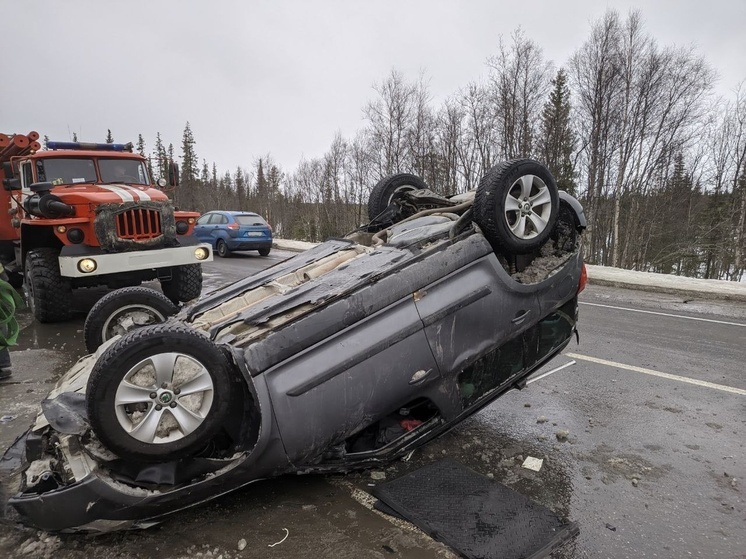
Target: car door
point(339, 386)
point(201, 228)
point(474, 320)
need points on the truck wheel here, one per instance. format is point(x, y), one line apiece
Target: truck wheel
point(516, 206)
point(48, 295)
point(124, 310)
point(185, 283)
point(160, 393)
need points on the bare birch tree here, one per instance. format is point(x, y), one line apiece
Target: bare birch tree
point(520, 80)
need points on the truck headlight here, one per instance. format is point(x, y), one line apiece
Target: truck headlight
point(87, 265)
point(201, 253)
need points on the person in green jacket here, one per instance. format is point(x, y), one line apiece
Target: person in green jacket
point(9, 302)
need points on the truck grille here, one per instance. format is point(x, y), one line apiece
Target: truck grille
point(139, 224)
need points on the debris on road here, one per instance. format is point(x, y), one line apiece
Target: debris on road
point(531, 463)
point(541, 419)
point(562, 435)
point(241, 544)
point(287, 533)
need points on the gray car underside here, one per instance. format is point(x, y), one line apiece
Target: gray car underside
point(417, 319)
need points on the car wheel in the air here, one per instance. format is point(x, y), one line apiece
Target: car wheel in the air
point(383, 192)
point(516, 206)
point(159, 393)
point(124, 310)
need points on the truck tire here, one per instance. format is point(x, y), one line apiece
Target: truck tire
point(516, 206)
point(185, 283)
point(48, 295)
point(159, 393)
point(124, 310)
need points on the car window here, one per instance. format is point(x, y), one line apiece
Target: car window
point(204, 219)
point(250, 220)
point(221, 219)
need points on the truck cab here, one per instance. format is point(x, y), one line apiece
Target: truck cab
point(83, 215)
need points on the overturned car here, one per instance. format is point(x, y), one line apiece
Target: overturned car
point(346, 356)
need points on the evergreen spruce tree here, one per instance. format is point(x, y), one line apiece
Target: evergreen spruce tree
point(240, 183)
point(109, 137)
point(141, 150)
point(161, 157)
point(261, 188)
point(557, 140)
point(189, 170)
point(140, 145)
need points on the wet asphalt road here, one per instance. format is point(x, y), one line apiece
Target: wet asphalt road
point(652, 467)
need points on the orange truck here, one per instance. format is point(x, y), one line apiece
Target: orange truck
point(82, 215)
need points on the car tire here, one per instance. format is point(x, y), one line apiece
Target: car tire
point(124, 310)
point(159, 393)
point(48, 294)
point(222, 249)
point(264, 252)
point(383, 192)
point(185, 283)
point(516, 206)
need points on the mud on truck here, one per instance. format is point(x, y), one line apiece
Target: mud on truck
point(83, 215)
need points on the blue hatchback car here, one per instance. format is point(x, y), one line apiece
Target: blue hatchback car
point(229, 231)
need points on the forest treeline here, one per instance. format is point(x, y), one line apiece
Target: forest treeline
point(629, 126)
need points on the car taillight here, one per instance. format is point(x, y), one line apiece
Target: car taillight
point(583, 279)
point(234, 226)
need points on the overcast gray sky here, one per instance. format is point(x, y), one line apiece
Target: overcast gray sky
point(282, 77)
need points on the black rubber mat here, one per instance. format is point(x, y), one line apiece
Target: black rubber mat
point(477, 517)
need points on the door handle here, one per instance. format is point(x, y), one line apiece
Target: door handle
point(420, 376)
point(520, 316)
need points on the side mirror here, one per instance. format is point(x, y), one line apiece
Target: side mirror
point(173, 173)
point(8, 170)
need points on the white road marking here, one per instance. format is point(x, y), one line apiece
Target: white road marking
point(665, 314)
point(651, 372)
point(551, 372)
